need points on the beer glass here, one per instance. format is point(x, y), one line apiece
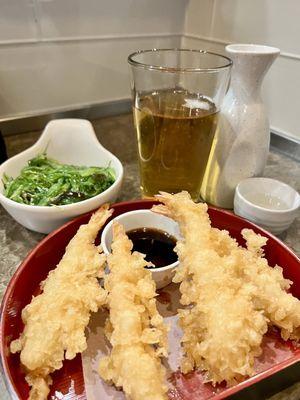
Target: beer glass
point(177, 95)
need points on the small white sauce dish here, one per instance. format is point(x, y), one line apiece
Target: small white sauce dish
point(145, 219)
point(269, 203)
point(69, 141)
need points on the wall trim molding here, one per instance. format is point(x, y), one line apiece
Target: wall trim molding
point(98, 38)
point(93, 38)
point(293, 56)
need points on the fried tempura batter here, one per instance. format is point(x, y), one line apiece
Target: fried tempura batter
point(222, 329)
point(266, 285)
point(135, 328)
point(281, 308)
point(232, 293)
point(56, 319)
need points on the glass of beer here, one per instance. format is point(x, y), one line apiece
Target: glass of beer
point(177, 95)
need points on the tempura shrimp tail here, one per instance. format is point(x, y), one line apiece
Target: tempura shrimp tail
point(187, 213)
point(135, 330)
point(55, 320)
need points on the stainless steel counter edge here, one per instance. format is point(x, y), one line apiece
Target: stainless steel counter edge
point(26, 123)
point(35, 122)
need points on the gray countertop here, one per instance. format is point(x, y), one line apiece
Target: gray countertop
point(117, 135)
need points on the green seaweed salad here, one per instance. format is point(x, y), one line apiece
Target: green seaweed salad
point(46, 182)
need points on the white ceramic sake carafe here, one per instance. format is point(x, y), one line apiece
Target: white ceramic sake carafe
point(242, 140)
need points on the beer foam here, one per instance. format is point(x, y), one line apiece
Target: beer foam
point(197, 103)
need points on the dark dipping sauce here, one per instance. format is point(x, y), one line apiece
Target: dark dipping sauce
point(157, 245)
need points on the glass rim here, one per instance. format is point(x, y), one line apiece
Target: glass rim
point(138, 64)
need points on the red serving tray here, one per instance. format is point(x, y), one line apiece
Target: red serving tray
point(277, 368)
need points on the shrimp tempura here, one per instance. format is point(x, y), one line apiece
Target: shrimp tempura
point(282, 309)
point(135, 328)
point(266, 285)
point(56, 319)
point(222, 331)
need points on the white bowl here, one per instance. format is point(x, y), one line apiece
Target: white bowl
point(70, 141)
point(145, 219)
point(269, 203)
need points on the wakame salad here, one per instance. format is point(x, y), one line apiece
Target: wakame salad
point(46, 182)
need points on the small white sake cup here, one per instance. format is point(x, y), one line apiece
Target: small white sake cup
point(269, 203)
point(145, 219)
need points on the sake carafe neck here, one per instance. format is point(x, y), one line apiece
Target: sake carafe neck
point(250, 65)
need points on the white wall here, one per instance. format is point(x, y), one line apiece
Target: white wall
point(211, 24)
point(57, 54)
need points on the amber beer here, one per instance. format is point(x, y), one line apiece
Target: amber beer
point(175, 131)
